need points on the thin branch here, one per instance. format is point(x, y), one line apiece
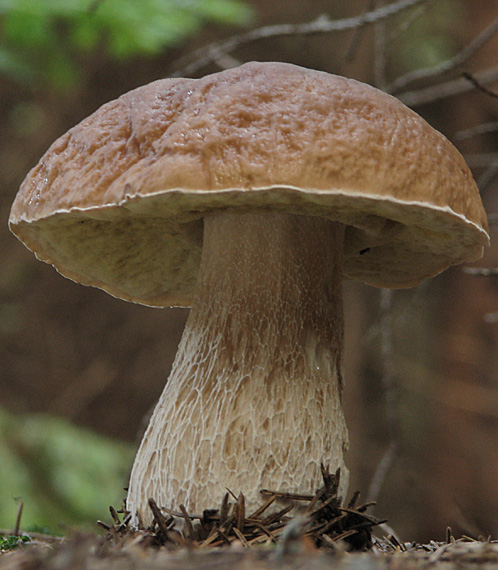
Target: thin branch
point(479, 86)
point(381, 472)
point(481, 160)
point(493, 219)
point(387, 351)
point(404, 316)
point(488, 177)
point(481, 129)
point(409, 21)
point(491, 318)
point(447, 65)
point(447, 89)
point(481, 271)
point(389, 382)
point(202, 57)
point(357, 36)
point(380, 58)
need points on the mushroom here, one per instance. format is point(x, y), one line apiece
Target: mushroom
point(249, 195)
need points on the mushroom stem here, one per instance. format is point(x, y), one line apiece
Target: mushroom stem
point(254, 397)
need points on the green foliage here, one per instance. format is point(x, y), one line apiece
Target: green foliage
point(64, 475)
point(40, 40)
point(11, 542)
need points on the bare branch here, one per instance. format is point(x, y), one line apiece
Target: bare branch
point(493, 219)
point(381, 470)
point(380, 59)
point(491, 318)
point(390, 386)
point(445, 66)
point(447, 89)
point(478, 85)
point(480, 160)
point(486, 179)
point(202, 57)
point(482, 271)
point(481, 129)
point(408, 21)
point(357, 36)
point(387, 351)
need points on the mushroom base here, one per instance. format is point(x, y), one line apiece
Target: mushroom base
point(254, 397)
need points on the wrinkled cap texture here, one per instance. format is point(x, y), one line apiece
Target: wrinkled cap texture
point(117, 202)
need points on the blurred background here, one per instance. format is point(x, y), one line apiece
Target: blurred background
point(80, 370)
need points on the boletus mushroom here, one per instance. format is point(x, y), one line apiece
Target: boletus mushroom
point(249, 195)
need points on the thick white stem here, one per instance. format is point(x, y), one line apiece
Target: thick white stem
point(254, 398)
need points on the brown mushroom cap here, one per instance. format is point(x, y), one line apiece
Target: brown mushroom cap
point(117, 202)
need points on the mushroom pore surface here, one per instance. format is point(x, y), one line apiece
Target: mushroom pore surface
point(254, 397)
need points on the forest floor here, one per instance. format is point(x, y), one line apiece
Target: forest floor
point(89, 552)
point(321, 533)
